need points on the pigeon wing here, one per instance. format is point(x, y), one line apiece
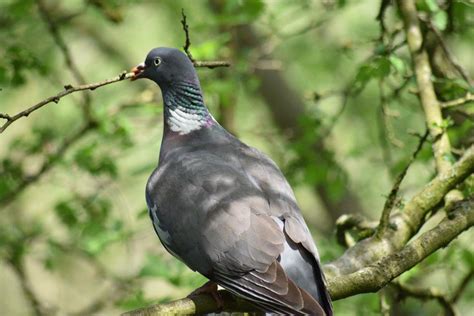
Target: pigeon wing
point(229, 233)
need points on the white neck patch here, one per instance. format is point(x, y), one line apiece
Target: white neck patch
point(182, 122)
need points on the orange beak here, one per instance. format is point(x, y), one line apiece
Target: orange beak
point(137, 71)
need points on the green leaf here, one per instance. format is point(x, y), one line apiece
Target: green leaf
point(378, 67)
point(89, 159)
point(397, 63)
point(431, 5)
point(440, 20)
point(67, 214)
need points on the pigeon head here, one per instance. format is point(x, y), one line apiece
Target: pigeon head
point(166, 66)
point(183, 102)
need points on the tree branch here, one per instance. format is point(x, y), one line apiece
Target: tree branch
point(392, 197)
point(427, 294)
point(187, 45)
point(19, 269)
point(346, 222)
point(439, 37)
point(68, 89)
point(462, 286)
point(198, 304)
point(429, 102)
point(469, 97)
point(378, 274)
point(407, 221)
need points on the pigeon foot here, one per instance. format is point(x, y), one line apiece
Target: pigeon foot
point(210, 288)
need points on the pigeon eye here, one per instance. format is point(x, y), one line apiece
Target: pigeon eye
point(157, 61)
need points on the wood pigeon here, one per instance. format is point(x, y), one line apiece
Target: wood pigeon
point(224, 208)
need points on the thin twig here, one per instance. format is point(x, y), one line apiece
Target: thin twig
point(462, 286)
point(469, 97)
point(70, 63)
point(211, 64)
point(392, 197)
point(384, 303)
point(387, 113)
point(187, 45)
point(439, 37)
point(27, 289)
point(384, 4)
point(346, 222)
point(314, 24)
point(187, 42)
point(346, 93)
point(68, 89)
point(53, 29)
point(426, 294)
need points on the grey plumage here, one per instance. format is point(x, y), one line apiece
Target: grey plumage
point(224, 208)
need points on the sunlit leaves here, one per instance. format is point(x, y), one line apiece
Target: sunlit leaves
point(377, 67)
point(439, 16)
point(16, 61)
point(88, 219)
point(237, 11)
point(90, 158)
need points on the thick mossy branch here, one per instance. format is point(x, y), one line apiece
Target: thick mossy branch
point(199, 304)
point(377, 275)
point(407, 221)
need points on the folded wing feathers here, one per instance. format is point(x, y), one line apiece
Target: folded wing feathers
point(273, 291)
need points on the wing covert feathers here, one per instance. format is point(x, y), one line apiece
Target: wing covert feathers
point(272, 290)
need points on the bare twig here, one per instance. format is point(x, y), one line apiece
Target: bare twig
point(392, 197)
point(187, 45)
point(17, 263)
point(68, 89)
point(346, 222)
point(469, 97)
point(387, 114)
point(384, 302)
point(462, 286)
point(439, 37)
point(312, 25)
point(346, 93)
point(385, 127)
point(53, 29)
point(19, 269)
point(70, 63)
point(426, 294)
point(384, 4)
point(187, 42)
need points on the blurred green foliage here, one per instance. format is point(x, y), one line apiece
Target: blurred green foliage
point(72, 181)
